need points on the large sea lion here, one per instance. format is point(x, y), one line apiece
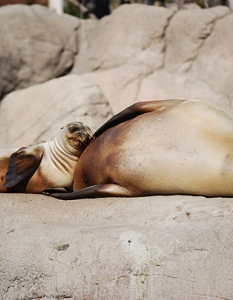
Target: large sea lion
point(47, 165)
point(158, 147)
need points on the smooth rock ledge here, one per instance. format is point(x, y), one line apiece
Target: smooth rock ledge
point(160, 247)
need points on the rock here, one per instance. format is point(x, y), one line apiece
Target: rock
point(185, 36)
point(214, 64)
point(124, 86)
point(157, 53)
point(138, 53)
point(35, 114)
point(132, 35)
point(164, 85)
point(121, 86)
point(160, 247)
point(36, 45)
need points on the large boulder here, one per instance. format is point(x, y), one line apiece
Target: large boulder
point(36, 45)
point(143, 53)
point(125, 85)
point(137, 53)
point(35, 114)
point(132, 35)
point(164, 247)
point(214, 64)
point(187, 33)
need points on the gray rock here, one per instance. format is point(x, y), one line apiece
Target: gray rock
point(36, 45)
point(34, 115)
point(164, 247)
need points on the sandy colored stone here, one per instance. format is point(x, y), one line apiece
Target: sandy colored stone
point(186, 34)
point(214, 64)
point(166, 54)
point(124, 86)
point(36, 45)
point(36, 114)
point(160, 247)
point(121, 86)
point(132, 34)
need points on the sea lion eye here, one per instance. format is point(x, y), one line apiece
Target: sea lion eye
point(62, 128)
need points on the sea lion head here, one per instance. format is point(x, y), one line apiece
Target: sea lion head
point(74, 137)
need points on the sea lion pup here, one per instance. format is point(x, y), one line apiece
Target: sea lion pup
point(158, 147)
point(47, 165)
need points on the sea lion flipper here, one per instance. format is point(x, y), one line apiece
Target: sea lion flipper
point(135, 110)
point(22, 165)
point(94, 191)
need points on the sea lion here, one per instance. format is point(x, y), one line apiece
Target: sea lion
point(47, 165)
point(158, 147)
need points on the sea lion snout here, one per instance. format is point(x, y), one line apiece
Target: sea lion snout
point(81, 137)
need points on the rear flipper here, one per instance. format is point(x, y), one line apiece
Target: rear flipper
point(94, 191)
point(135, 110)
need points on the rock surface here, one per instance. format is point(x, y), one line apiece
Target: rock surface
point(35, 115)
point(163, 247)
point(36, 45)
point(160, 247)
point(138, 53)
point(142, 53)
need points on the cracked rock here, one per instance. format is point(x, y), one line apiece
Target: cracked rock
point(186, 34)
point(132, 35)
point(142, 53)
point(214, 64)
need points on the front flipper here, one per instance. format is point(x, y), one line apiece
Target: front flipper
point(135, 110)
point(22, 165)
point(94, 191)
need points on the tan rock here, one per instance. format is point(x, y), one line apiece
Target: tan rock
point(169, 85)
point(36, 45)
point(160, 247)
point(125, 85)
point(121, 86)
point(132, 35)
point(214, 63)
point(186, 34)
point(35, 114)
point(166, 54)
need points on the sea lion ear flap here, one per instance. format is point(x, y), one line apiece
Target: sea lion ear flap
point(22, 165)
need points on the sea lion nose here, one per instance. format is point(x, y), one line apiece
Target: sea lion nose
point(81, 135)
